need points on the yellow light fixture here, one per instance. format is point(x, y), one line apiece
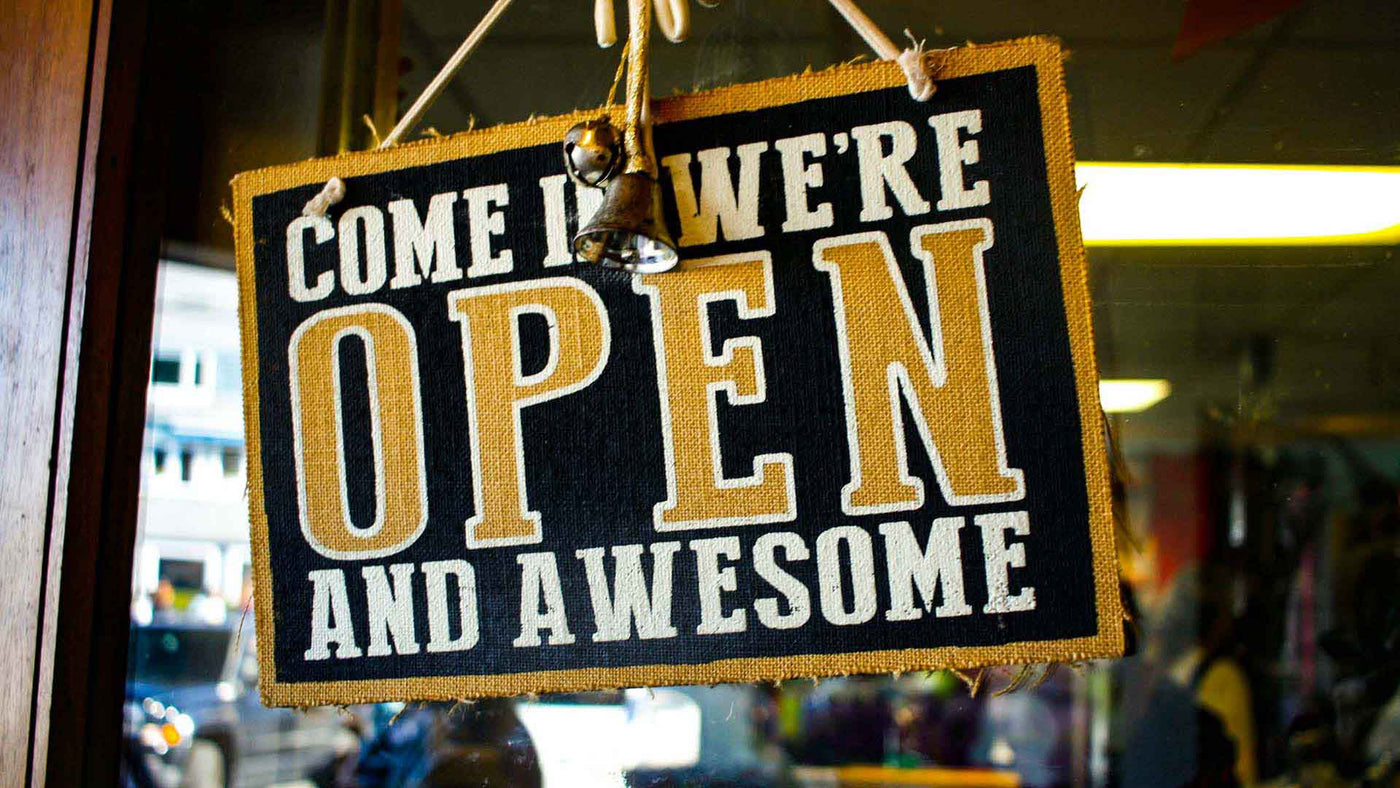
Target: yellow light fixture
point(1132, 395)
point(1127, 204)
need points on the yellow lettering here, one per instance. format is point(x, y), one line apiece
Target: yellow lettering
point(884, 355)
point(396, 418)
point(691, 377)
point(580, 340)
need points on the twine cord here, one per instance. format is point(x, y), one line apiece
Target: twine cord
point(917, 68)
point(636, 141)
point(334, 190)
point(617, 77)
point(874, 37)
point(330, 194)
point(673, 17)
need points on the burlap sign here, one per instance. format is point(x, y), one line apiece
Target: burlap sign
point(857, 430)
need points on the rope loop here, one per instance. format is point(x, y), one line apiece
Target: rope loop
point(672, 19)
point(918, 69)
point(330, 194)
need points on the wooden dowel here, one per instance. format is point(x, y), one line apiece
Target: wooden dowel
point(449, 70)
point(873, 35)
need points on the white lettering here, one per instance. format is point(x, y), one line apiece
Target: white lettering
point(999, 556)
point(558, 250)
point(910, 567)
point(439, 627)
point(328, 598)
point(376, 269)
point(799, 602)
point(390, 610)
point(952, 155)
point(798, 177)
point(419, 244)
point(484, 223)
point(629, 600)
point(878, 170)
point(714, 581)
point(862, 568)
point(296, 258)
point(539, 575)
point(718, 203)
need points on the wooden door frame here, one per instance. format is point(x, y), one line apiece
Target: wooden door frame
point(81, 610)
point(102, 230)
point(90, 631)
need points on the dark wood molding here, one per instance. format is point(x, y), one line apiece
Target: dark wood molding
point(67, 395)
point(77, 731)
point(45, 93)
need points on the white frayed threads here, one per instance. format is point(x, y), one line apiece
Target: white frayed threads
point(917, 69)
point(912, 60)
point(332, 193)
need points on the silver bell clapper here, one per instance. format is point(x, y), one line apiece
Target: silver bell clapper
point(629, 230)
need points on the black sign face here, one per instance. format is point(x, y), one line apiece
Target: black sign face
point(857, 430)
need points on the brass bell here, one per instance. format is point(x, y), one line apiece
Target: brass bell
point(593, 151)
point(629, 231)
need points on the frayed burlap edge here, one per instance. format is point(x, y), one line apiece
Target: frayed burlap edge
point(1043, 53)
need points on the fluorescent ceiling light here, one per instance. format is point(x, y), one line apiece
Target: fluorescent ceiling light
point(1126, 204)
point(1132, 396)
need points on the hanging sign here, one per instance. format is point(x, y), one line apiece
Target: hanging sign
point(857, 429)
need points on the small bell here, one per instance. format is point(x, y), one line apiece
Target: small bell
point(593, 152)
point(628, 231)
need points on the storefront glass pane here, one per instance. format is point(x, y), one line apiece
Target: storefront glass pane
point(1253, 390)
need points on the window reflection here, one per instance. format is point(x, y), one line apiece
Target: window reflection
point(1253, 391)
point(1263, 582)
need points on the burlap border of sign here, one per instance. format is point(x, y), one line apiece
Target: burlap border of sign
point(1042, 52)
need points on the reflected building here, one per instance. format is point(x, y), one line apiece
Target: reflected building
point(194, 507)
